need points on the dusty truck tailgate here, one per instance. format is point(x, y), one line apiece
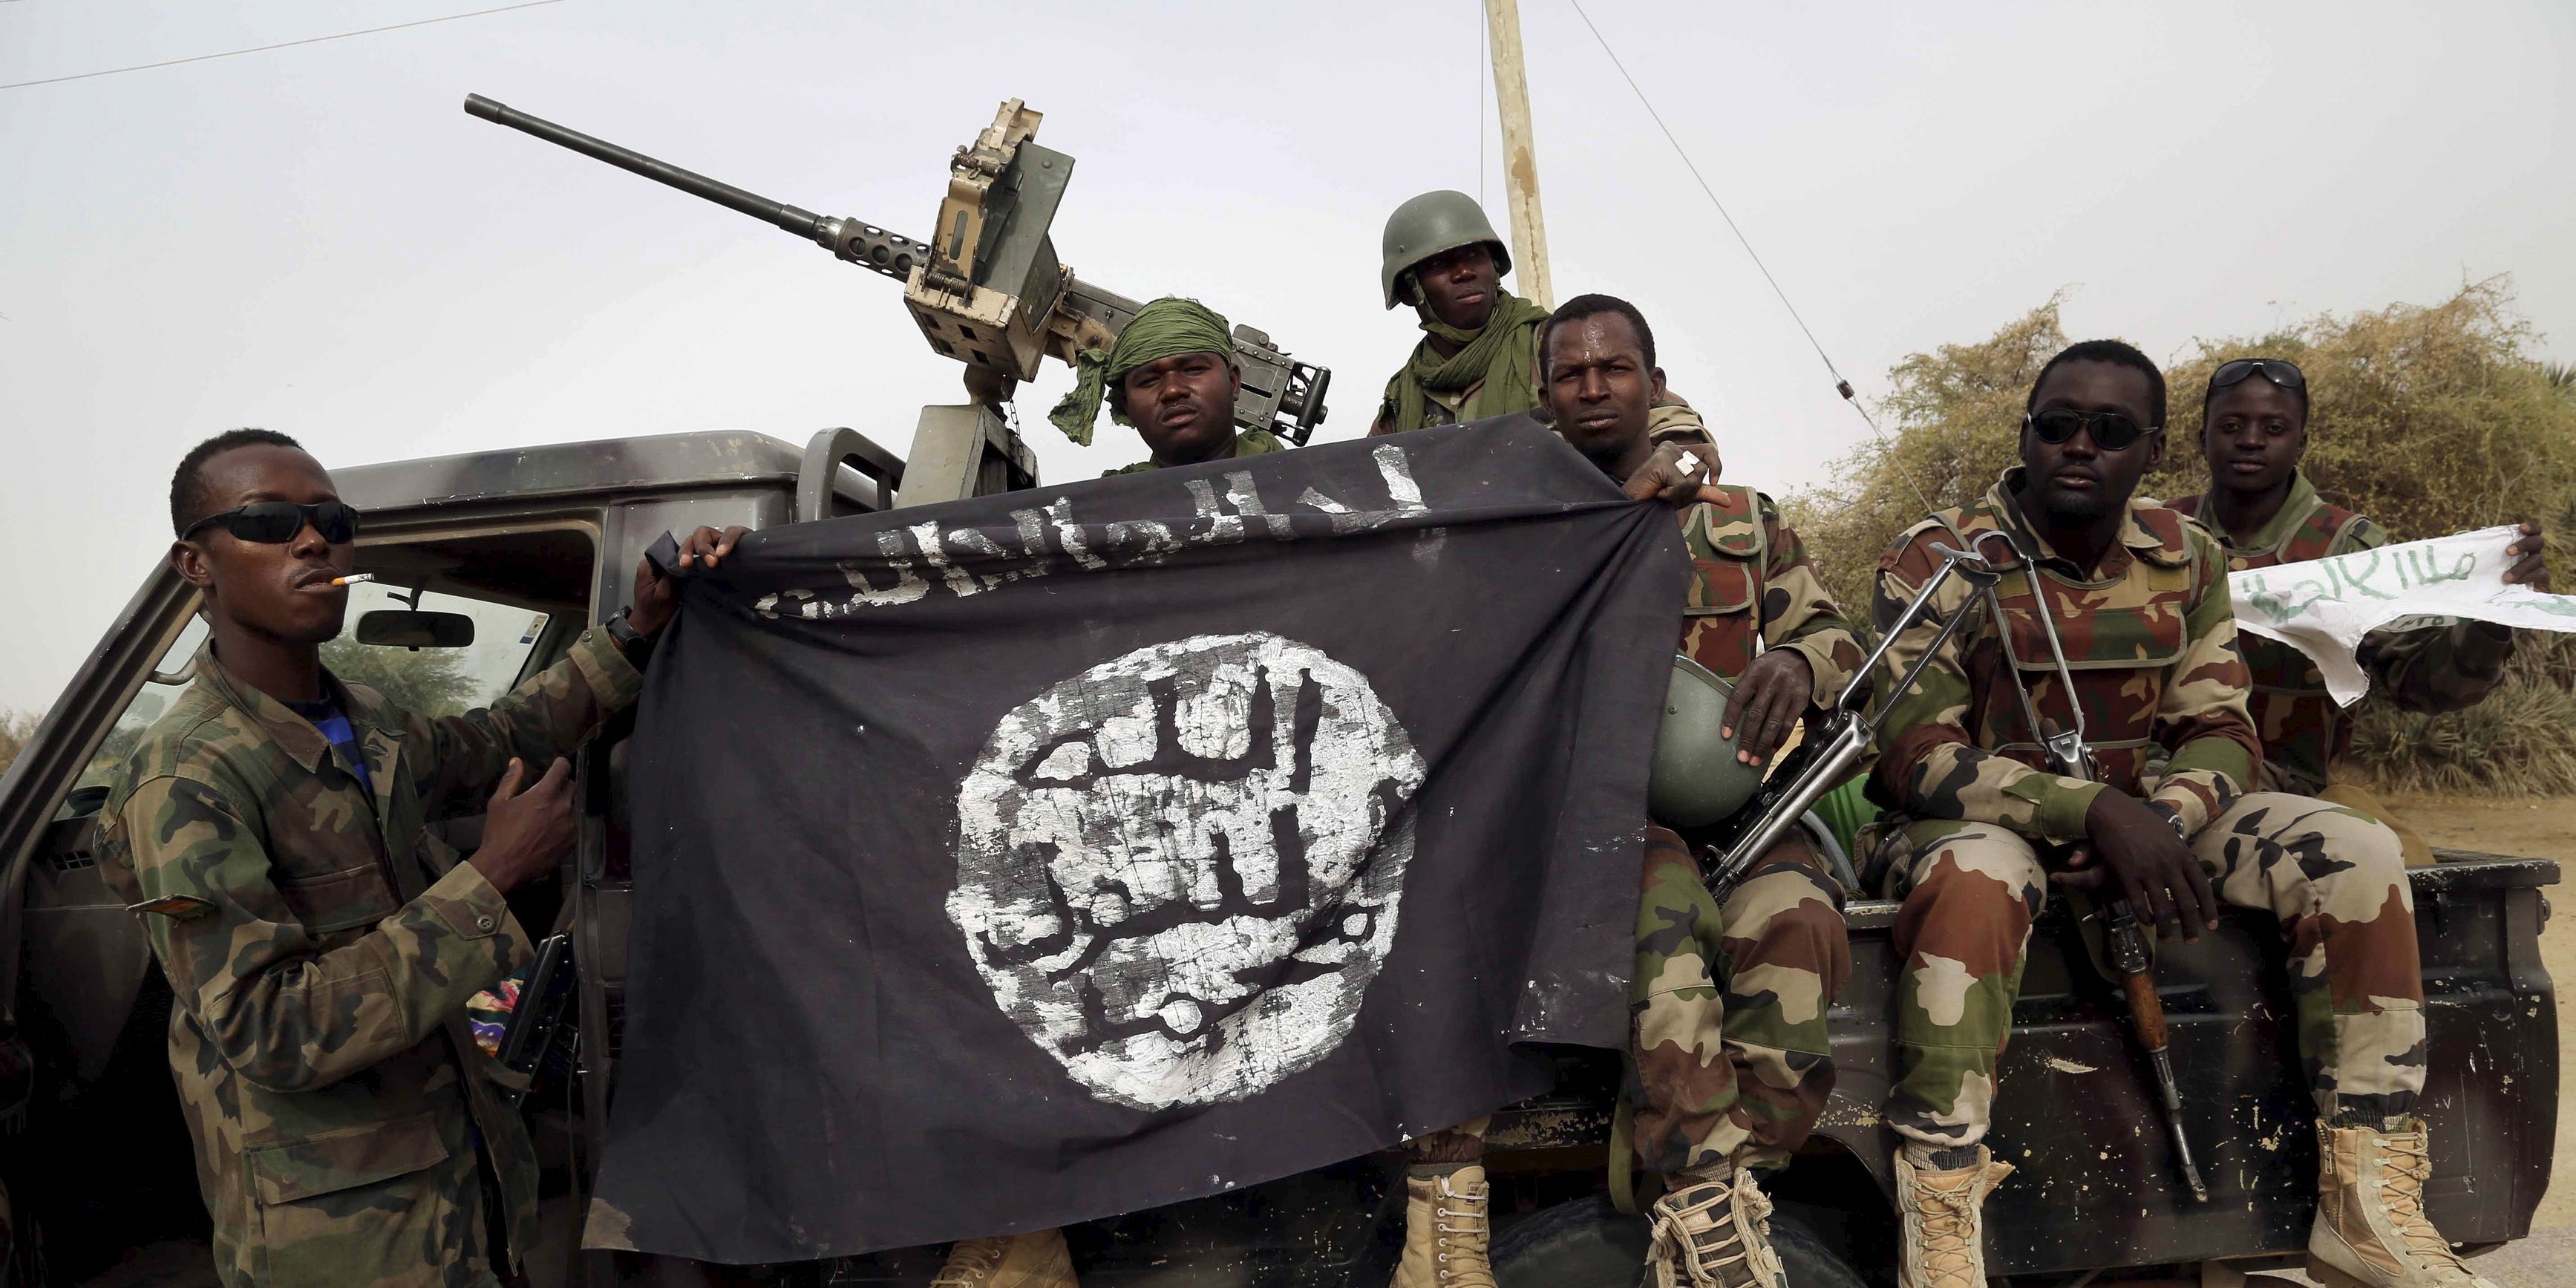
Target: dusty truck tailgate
point(2096, 1185)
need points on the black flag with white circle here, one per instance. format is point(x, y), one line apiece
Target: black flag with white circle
point(1030, 859)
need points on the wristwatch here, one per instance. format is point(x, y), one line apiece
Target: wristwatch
point(2173, 819)
point(635, 645)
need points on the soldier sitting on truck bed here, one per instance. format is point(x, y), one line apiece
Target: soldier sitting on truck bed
point(321, 944)
point(2140, 597)
point(1173, 376)
point(1479, 354)
point(1731, 1056)
point(2260, 505)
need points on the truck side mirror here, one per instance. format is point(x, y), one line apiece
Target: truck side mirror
point(401, 628)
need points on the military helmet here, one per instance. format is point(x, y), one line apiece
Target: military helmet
point(1432, 223)
point(1697, 780)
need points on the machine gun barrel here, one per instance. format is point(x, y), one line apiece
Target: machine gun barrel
point(861, 244)
point(997, 299)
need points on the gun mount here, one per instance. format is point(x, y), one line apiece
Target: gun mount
point(988, 290)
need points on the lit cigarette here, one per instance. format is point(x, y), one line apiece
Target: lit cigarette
point(353, 579)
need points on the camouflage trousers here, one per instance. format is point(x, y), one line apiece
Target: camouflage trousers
point(1731, 1062)
point(2335, 879)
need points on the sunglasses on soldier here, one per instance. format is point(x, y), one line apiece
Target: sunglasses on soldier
point(2279, 371)
point(2111, 431)
point(274, 523)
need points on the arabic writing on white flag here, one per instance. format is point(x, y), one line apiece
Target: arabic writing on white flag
point(2323, 607)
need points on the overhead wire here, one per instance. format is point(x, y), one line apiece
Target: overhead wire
point(283, 44)
point(1841, 385)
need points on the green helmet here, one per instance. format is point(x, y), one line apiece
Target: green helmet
point(1432, 223)
point(1697, 780)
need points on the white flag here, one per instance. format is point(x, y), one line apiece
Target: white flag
point(2324, 606)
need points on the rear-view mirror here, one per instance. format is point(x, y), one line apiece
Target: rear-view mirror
point(400, 628)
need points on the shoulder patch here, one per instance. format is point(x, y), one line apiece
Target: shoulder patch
point(1939, 527)
point(1729, 518)
point(2172, 533)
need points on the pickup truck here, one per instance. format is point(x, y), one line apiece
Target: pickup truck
point(535, 544)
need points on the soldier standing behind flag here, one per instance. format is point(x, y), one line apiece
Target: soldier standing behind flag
point(2261, 506)
point(1983, 823)
point(1174, 377)
point(321, 944)
point(1479, 351)
point(1479, 354)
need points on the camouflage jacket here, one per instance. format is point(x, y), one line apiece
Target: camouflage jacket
point(2150, 638)
point(1251, 442)
point(322, 945)
point(2437, 668)
point(1753, 589)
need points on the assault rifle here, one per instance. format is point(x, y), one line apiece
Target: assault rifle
point(531, 1030)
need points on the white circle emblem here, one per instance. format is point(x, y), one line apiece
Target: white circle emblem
point(1178, 871)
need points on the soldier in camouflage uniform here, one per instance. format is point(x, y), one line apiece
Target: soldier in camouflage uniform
point(2261, 507)
point(1982, 823)
point(1732, 1062)
point(321, 943)
point(1479, 355)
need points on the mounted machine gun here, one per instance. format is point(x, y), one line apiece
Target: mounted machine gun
point(988, 291)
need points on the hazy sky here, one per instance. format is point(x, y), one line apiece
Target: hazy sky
point(318, 240)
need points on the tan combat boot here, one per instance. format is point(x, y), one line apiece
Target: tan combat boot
point(1445, 1231)
point(1713, 1233)
point(1035, 1260)
point(1945, 1230)
point(2370, 1230)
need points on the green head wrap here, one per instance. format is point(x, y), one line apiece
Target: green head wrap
point(1162, 329)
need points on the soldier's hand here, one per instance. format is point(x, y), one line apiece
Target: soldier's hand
point(1768, 699)
point(2529, 571)
point(1674, 474)
point(657, 596)
point(2142, 859)
point(525, 833)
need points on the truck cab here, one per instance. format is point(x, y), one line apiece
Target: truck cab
point(534, 545)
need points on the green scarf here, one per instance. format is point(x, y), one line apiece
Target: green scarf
point(1499, 354)
point(1162, 329)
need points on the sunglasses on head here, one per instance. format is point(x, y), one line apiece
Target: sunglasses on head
point(2111, 431)
point(274, 523)
point(2279, 371)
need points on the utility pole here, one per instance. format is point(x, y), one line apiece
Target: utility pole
point(1520, 156)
